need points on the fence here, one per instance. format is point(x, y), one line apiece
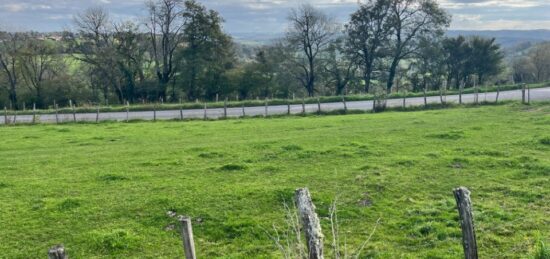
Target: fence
point(313, 232)
point(71, 115)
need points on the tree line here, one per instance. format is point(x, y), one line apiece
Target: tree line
point(180, 51)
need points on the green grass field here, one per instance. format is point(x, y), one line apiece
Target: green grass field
point(103, 190)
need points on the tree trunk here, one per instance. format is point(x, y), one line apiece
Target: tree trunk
point(391, 75)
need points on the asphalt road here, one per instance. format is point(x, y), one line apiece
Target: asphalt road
point(539, 94)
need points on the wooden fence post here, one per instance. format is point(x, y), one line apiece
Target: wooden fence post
point(464, 205)
point(15, 116)
point(205, 111)
point(288, 107)
point(56, 112)
point(266, 108)
point(310, 222)
point(225, 108)
point(345, 104)
point(57, 252)
point(528, 94)
point(476, 92)
point(187, 236)
point(97, 114)
point(460, 90)
point(523, 88)
point(33, 113)
point(5, 115)
point(425, 97)
point(74, 111)
point(318, 105)
point(155, 112)
point(127, 111)
point(303, 105)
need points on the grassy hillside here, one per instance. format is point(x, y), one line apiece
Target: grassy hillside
point(104, 190)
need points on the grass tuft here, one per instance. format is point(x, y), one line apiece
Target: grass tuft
point(232, 167)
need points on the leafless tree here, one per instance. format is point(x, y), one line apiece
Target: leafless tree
point(39, 63)
point(540, 58)
point(411, 20)
point(11, 46)
point(309, 33)
point(165, 24)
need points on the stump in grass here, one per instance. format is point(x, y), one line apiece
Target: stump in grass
point(57, 252)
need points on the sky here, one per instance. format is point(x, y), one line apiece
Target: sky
point(269, 16)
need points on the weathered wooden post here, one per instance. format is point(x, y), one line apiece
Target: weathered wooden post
point(217, 97)
point(155, 112)
point(56, 112)
point(464, 205)
point(266, 108)
point(5, 115)
point(187, 236)
point(97, 114)
point(460, 89)
point(127, 111)
point(288, 107)
point(310, 223)
point(225, 108)
point(345, 104)
point(528, 94)
point(181, 111)
point(205, 117)
point(73, 109)
point(425, 96)
point(303, 105)
point(318, 105)
point(57, 252)
point(476, 91)
point(33, 113)
point(523, 89)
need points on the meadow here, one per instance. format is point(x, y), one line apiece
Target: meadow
point(104, 190)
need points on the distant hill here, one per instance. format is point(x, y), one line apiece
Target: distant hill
point(509, 38)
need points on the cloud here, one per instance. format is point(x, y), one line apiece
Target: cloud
point(269, 16)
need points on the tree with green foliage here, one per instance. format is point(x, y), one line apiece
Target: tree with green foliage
point(367, 32)
point(486, 58)
point(208, 52)
point(340, 67)
point(457, 59)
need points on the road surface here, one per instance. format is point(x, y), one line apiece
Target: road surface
point(539, 94)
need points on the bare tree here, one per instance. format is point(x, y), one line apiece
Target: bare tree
point(94, 46)
point(165, 24)
point(39, 63)
point(412, 20)
point(540, 58)
point(309, 33)
point(11, 45)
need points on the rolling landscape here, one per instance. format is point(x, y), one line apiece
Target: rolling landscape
point(274, 129)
